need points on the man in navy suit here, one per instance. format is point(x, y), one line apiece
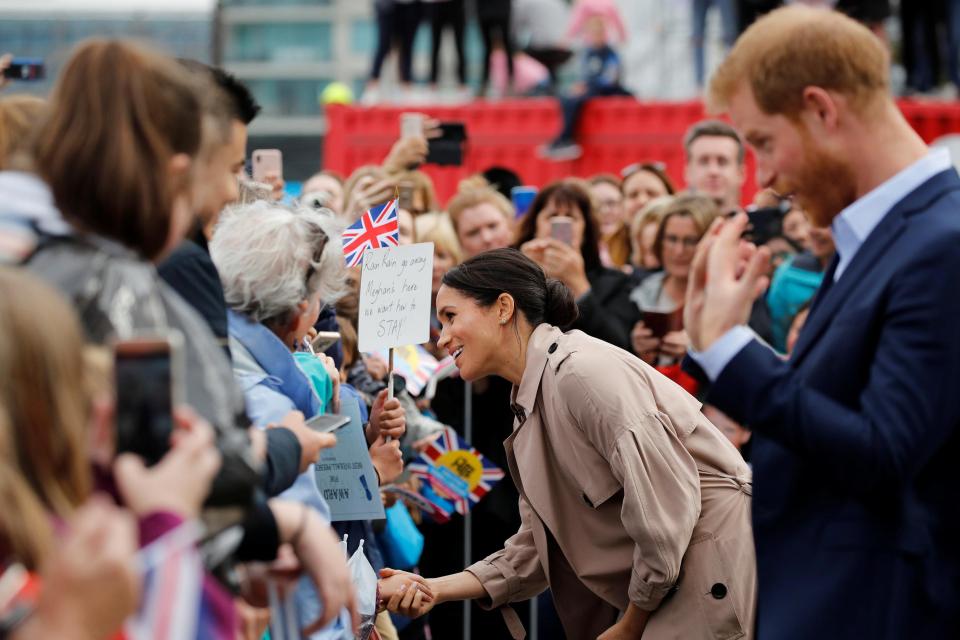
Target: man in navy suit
point(855, 437)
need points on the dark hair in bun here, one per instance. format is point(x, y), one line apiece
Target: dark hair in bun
point(540, 299)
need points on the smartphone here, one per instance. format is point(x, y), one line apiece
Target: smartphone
point(148, 370)
point(405, 197)
point(26, 69)
point(561, 228)
point(324, 340)
point(411, 125)
point(266, 161)
point(447, 148)
point(660, 324)
point(522, 198)
point(328, 422)
point(766, 223)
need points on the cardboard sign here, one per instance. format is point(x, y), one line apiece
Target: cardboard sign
point(453, 475)
point(345, 474)
point(395, 296)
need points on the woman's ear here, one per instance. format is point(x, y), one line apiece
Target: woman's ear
point(505, 308)
point(298, 318)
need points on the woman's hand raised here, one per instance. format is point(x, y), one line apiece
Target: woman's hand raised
point(561, 261)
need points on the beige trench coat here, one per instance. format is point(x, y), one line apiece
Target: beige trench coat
point(627, 494)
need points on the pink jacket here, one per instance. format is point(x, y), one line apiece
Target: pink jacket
point(606, 9)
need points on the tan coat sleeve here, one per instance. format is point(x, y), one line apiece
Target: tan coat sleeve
point(661, 485)
point(514, 573)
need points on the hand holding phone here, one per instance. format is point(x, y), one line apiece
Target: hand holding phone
point(660, 324)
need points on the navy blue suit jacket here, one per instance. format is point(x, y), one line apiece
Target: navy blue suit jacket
point(855, 439)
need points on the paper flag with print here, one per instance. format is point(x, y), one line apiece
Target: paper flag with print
point(173, 604)
point(453, 471)
point(433, 508)
point(376, 228)
point(414, 363)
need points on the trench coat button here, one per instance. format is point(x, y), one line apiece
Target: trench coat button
point(552, 348)
point(719, 591)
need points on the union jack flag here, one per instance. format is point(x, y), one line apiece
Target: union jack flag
point(455, 471)
point(376, 228)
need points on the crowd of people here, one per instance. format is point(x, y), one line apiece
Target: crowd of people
point(527, 43)
point(629, 349)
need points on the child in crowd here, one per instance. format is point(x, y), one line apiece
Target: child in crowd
point(601, 73)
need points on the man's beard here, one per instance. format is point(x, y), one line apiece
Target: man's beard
point(825, 184)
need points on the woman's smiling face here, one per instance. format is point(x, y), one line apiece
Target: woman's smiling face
point(472, 334)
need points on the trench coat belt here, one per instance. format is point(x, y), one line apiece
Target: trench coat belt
point(744, 485)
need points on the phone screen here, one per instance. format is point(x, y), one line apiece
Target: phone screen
point(266, 161)
point(324, 340)
point(561, 228)
point(144, 414)
point(660, 324)
point(411, 125)
point(25, 69)
point(328, 422)
point(522, 198)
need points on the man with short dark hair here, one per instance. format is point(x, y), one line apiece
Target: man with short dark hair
point(855, 438)
point(714, 162)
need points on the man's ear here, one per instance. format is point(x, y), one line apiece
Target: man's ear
point(821, 111)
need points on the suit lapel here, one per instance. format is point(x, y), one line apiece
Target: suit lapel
point(831, 295)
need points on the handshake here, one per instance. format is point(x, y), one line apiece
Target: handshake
point(406, 593)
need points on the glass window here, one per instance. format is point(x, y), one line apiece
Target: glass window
point(363, 37)
point(288, 97)
point(280, 42)
point(274, 3)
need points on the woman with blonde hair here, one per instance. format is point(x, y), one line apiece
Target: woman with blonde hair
point(58, 437)
point(120, 163)
point(643, 231)
point(611, 220)
point(438, 229)
point(25, 202)
point(482, 217)
point(658, 338)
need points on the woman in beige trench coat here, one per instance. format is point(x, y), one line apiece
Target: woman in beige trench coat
point(635, 509)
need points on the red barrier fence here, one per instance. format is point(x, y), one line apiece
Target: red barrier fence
point(615, 132)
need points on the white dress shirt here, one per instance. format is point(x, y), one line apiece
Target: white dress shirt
point(850, 230)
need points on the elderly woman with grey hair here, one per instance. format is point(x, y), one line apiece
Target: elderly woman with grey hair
point(278, 267)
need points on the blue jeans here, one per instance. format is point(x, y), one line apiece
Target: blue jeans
point(728, 17)
point(572, 106)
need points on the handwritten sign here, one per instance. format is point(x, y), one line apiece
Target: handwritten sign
point(395, 296)
point(345, 474)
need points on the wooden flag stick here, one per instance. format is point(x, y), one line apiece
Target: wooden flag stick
point(390, 376)
point(389, 383)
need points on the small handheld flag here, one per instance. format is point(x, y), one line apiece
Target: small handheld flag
point(378, 227)
point(454, 475)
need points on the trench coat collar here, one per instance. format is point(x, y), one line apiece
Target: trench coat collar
point(524, 397)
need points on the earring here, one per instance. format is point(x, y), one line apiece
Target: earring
point(503, 321)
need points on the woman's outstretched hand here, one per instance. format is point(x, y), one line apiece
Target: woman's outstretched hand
point(406, 593)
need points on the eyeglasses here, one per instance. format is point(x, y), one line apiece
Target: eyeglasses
point(688, 242)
